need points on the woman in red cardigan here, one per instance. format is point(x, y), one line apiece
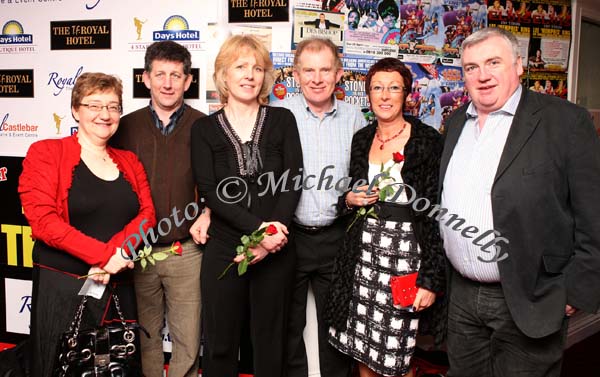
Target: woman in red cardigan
point(82, 199)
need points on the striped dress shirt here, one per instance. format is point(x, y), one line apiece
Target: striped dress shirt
point(467, 190)
point(326, 146)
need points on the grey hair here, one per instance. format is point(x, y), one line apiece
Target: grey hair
point(482, 35)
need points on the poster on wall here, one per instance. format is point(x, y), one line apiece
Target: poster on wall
point(420, 38)
point(550, 37)
point(505, 15)
point(424, 100)
point(458, 20)
point(372, 32)
point(310, 23)
point(285, 85)
point(552, 83)
point(351, 87)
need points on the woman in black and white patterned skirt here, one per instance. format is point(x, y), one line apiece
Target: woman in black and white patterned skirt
point(402, 239)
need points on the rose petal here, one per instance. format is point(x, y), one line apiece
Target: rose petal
point(398, 157)
point(271, 230)
point(177, 249)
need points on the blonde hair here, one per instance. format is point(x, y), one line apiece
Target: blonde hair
point(233, 47)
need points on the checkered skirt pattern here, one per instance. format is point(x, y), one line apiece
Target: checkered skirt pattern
point(378, 334)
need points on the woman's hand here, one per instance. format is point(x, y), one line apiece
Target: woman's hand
point(199, 229)
point(259, 253)
point(118, 262)
point(99, 275)
point(424, 299)
point(360, 198)
point(277, 241)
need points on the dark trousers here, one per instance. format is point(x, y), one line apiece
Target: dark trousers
point(260, 297)
point(316, 253)
point(484, 341)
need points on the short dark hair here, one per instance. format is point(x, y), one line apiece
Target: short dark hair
point(95, 82)
point(169, 51)
point(390, 65)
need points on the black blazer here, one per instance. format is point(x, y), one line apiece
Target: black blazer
point(546, 202)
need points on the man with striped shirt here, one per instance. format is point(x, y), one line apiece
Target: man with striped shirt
point(326, 126)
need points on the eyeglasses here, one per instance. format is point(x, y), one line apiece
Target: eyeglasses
point(392, 89)
point(114, 109)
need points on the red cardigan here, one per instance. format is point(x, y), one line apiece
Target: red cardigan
point(44, 188)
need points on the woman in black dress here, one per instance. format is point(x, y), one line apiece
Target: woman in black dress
point(82, 199)
point(245, 157)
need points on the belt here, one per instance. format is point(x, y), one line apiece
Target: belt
point(313, 229)
point(394, 211)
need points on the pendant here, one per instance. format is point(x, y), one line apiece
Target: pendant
point(381, 147)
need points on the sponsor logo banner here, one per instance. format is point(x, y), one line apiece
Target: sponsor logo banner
point(14, 40)
point(80, 35)
point(259, 10)
point(16, 83)
point(18, 305)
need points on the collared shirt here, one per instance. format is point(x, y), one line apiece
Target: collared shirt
point(167, 129)
point(467, 191)
point(326, 147)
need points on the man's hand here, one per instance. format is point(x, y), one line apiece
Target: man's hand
point(199, 229)
point(569, 310)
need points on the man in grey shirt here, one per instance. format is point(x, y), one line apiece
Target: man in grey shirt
point(326, 126)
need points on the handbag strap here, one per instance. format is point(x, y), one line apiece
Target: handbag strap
point(76, 323)
point(118, 306)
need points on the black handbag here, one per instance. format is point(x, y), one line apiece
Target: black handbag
point(111, 350)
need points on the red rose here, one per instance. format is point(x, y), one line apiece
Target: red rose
point(271, 230)
point(398, 157)
point(177, 249)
